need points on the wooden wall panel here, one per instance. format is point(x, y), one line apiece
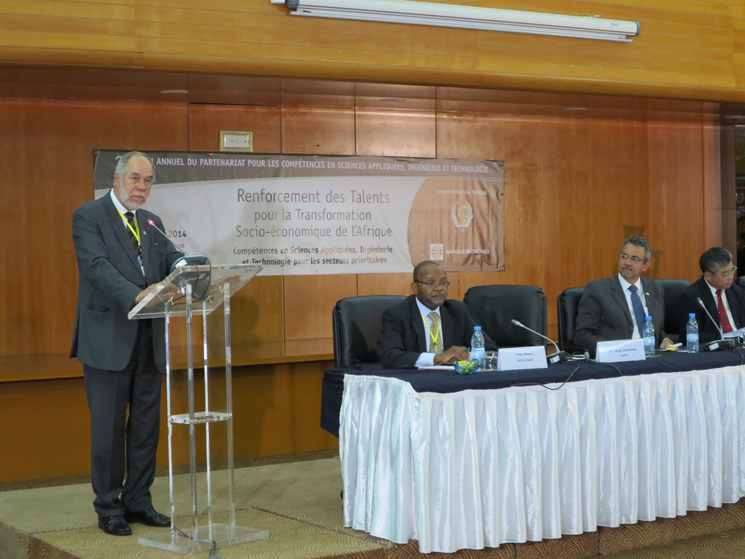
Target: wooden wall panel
point(46, 153)
point(258, 314)
point(687, 48)
point(681, 157)
point(276, 411)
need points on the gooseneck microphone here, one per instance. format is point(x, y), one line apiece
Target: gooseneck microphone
point(557, 357)
point(187, 259)
point(721, 343)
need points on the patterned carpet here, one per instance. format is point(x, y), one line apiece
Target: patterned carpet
point(298, 503)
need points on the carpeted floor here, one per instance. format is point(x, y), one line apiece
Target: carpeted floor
point(298, 503)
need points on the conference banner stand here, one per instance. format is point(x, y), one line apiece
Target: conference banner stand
point(199, 408)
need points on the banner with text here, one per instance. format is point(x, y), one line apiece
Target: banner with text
point(313, 214)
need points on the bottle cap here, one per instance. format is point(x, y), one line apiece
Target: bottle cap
point(649, 318)
point(692, 315)
point(477, 328)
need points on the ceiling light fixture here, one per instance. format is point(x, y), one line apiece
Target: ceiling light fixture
point(174, 92)
point(466, 17)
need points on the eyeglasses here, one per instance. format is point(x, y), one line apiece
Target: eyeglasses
point(729, 274)
point(634, 259)
point(432, 284)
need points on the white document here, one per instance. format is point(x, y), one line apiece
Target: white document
point(620, 350)
point(739, 333)
point(516, 358)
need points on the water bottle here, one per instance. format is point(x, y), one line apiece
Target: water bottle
point(649, 337)
point(478, 351)
point(692, 334)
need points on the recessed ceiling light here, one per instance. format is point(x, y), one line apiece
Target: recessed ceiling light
point(393, 100)
point(174, 92)
point(575, 109)
point(734, 116)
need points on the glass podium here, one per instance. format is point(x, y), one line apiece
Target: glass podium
point(199, 408)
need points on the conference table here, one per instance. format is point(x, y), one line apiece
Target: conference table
point(473, 461)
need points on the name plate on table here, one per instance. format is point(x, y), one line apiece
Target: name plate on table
point(516, 358)
point(620, 350)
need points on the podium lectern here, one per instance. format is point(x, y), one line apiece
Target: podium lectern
point(190, 291)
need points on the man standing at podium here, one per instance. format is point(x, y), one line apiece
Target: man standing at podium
point(120, 259)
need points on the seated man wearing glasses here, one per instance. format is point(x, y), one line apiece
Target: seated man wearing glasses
point(427, 328)
point(616, 308)
point(724, 300)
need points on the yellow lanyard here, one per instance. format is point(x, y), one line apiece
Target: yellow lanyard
point(126, 222)
point(428, 329)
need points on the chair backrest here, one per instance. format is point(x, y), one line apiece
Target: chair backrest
point(673, 288)
point(740, 281)
point(357, 322)
point(494, 306)
point(567, 305)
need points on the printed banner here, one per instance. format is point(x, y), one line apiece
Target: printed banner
point(312, 214)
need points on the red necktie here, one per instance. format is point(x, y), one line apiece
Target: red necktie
point(726, 326)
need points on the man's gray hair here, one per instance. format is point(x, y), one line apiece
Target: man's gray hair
point(639, 242)
point(121, 165)
point(714, 259)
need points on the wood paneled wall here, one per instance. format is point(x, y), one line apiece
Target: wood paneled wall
point(575, 187)
point(687, 48)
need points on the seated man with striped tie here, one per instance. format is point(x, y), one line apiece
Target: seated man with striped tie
point(427, 328)
point(724, 300)
point(616, 308)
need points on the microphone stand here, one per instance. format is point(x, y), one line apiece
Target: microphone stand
point(559, 356)
point(721, 343)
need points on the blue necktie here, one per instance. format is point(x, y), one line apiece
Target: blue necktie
point(639, 314)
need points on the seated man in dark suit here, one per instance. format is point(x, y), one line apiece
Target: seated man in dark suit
point(724, 300)
point(616, 308)
point(427, 328)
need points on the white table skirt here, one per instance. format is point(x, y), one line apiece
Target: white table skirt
point(479, 468)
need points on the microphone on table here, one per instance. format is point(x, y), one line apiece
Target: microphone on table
point(187, 259)
point(721, 343)
point(559, 356)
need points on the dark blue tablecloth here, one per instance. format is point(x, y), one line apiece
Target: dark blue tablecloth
point(449, 381)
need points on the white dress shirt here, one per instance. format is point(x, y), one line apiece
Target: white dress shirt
point(639, 291)
point(427, 359)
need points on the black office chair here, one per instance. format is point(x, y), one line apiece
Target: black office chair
point(567, 304)
point(357, 322)
point(494, 306)
point(740, 281)
point(673, 288)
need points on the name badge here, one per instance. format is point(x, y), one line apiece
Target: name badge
point(620, 350)
point(516, 358)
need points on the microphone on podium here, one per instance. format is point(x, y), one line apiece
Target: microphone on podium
point(721, 343)
point(559, 356)
point(187, 259)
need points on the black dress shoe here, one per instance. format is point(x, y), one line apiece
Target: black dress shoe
point(149, 517)
point(114, 525)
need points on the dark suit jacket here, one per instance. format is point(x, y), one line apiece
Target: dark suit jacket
point(403, 337)
point(604, 315)
point(110, 279)
point(687, 304)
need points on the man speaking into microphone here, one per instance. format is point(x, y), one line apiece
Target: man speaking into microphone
point(724, 300)
point(119, 263)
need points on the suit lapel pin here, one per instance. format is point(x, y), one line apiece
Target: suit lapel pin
point(647, 294)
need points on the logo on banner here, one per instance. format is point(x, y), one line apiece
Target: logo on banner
point(436, 252)
point(462, 214)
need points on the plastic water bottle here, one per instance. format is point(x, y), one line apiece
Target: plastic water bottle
point(478, 351)
point(692, 334)
point(649, 341)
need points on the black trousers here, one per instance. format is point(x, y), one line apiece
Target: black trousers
point(123, 448)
